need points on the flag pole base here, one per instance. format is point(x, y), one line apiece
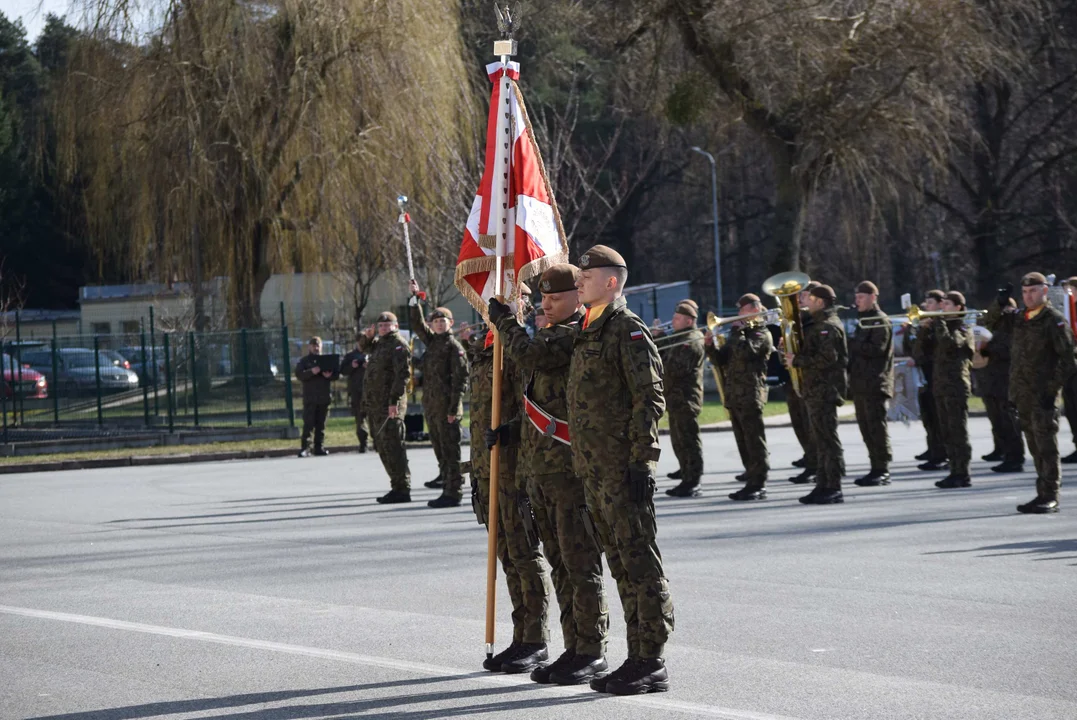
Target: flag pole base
point(489, 651)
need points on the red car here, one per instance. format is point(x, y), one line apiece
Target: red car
point(32, 385)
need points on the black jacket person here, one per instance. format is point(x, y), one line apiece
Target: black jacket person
point(317, 386)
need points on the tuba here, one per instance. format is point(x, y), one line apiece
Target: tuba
point(786, 287)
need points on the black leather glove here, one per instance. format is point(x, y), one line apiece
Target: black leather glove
point(640, 483)
point(1004, 294)
point(1047, 401)
point(498, 310)
point(492, 436)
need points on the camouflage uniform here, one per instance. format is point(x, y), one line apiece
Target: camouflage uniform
point(951, 388)
point(683, 381)
point(743, 361)
point(823, 359)
point(923, 353)
point(871, 380)
point(526, 574)
point(317, 396)
point(444, 382)
point(386, 382)
point(1042, 361)
point(556, 493)
point(615, 399)
point(798, 412)
point(993, 381)
point(355, 377)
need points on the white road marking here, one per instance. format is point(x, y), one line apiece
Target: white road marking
point(659, 702)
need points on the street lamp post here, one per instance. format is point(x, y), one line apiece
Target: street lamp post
point(717, 247)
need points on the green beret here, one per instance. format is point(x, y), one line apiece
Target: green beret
point(867, 288)
point(387, 317)
point(1033, 278)
point(687, 307)
point(601, 256)
point(441, 313)
point(559, 278)
point(748, 299)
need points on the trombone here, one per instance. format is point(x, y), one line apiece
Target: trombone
point(763, 317)
point(915, 316)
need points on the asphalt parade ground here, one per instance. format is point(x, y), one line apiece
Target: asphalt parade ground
point(278, 589)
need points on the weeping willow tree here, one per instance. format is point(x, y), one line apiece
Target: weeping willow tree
point(237, 138)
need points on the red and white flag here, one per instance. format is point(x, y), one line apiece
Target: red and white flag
point(514, 215)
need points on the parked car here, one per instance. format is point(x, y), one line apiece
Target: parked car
point(76, 371)
point(31, 384)
point(146, 373)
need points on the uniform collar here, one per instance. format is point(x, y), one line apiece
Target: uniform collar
point(599, 314)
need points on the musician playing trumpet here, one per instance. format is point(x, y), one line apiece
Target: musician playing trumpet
point(871, 379)
point(953, 385)
point(743, 361)
point(683, 380)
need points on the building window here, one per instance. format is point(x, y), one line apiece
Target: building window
point(101, 328)
point(130, 327)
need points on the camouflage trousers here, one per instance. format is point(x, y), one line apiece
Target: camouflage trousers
point(798, 416)
point(936, 447)
point(751, 436)
point(572, 549)
point(445, 437)
point(1069, 399)
point(1041, 434)
point(871, 417)
point(952, 412)
point(389, 442)
point(526, 573)
point(829, 456)
point(360, 419)
point(1005, 428)
point(687, 443)
point(627, 532)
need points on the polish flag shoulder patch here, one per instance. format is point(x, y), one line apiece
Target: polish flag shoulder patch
point(635, 335)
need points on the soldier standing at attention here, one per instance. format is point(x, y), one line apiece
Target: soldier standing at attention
point(317, 383)
point(923, 357)
point(568, 536)
point(871, 379)
point(615, 399)
point(994, 382)
point(526, 574)
point(798, 410)
point(444, 382)
point(823, 359)
point(385, 402)
point(1042, 362)
point(353, 367)
point(743, 360)
point(952, 387)
point(683, 383)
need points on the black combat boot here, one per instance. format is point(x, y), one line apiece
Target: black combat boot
point(435, 484)
point(808, 476)
point(924, 455)
point(362, 448)
point(493, 664)
point(304, 451)
point(823, 496)
point(875, 478)
point(952, 481)
point(1070, 459)
point(933, 466)
point(395, 496)
point(993, 456)
point(646, 675)
point(1039, 506)
point(684, 490)
point(542, 673)
point(528, 657)
point(799, 463)
point(581, 669)
point(1010, 466)
point(598, 682)
point(444, 501)
point(743, 477)
point(318, 450)
point(675, 475)
point(749, 492)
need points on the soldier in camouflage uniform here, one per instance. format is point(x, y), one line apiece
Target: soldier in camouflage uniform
point(798, 410)
point(385, 402)
point(353, 367)
point(615, 399)
point(526, 573)
point(952, 386)
point(683, 382)
point(993, 381)
point(1069, 390)
point(923, 357)
point(823, 359)
point(1042, 362)
point(743, 363)
point(568, 536)
point(871, 380)
point(444, 382)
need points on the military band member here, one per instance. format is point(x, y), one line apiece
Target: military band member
point(1069, 390)
point(952, 386)
point(385, 401)
point(743, 362)
point(444, 382)
point(798, 411)
point(353, 367)
point(568, 536)
point(615, 398)
point(1042, 362)
point(871, 380)
point(823, 360)
point(526, 573)
point(994, 383)
point(683, 383)
point(317, 386)
point(923, 357)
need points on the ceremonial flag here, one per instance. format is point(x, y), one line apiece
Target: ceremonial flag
point(514, 215)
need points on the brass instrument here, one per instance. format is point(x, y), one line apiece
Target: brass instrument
point(786, 287)
point(472, 326)
point(713, 323)
point(915, 316)
point(751, 320)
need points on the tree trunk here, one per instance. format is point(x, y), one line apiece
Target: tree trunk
point(789, 199)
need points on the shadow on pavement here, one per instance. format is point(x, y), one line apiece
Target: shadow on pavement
point(1042, 549)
